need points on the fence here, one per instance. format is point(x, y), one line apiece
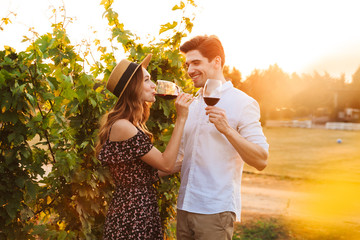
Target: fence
point(342, 126)
point(291, 123)
point(309, 124)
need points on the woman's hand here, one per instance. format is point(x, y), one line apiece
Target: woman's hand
point(182, 104)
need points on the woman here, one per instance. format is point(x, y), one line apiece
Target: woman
point(125, 147)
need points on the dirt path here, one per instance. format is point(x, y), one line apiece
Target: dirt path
point(272, 196)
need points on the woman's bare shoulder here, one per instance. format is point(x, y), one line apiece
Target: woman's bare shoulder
point(122, 130)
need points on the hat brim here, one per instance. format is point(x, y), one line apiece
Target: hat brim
point(144, 63)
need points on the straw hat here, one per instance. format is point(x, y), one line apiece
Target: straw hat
point(122, 73)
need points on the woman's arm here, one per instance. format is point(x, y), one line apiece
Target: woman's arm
point(166, 161)
point(176, 169)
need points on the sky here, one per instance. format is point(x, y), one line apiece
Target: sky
point(298, 35)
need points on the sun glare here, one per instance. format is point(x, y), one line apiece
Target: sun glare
point(295, 35)
point(334, 204)
point(299, 36)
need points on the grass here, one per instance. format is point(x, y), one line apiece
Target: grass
point(260, 230)
point(331, 174)
point(313, 154)
point(290, 229)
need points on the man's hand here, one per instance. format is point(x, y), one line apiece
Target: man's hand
point(217, 116)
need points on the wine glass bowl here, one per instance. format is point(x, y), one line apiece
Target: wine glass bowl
point(212, 91)
point(167, 90)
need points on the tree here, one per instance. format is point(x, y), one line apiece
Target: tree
point(356, 78)
point(318, 92)
point(234, 76)
point(50, 109)
point(355, 90)
point(270, 88)
point(166, 63)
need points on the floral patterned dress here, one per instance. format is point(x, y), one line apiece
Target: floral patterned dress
point(133, 212)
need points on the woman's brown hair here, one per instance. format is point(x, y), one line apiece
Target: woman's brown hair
point(129, 106)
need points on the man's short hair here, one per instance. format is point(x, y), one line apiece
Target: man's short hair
point(208, 46)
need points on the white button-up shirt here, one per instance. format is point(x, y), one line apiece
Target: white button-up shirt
point(212, 168)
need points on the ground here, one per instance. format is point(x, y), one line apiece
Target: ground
point(269, 195)
point(290, 203)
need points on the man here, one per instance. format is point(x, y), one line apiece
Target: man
point(217, 140)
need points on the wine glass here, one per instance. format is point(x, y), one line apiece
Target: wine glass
point(167, 90)
point(212, 91)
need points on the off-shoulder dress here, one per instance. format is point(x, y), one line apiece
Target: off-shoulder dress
point(133, 212)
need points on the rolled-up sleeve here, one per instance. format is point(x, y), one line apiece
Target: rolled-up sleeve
point(250, 127)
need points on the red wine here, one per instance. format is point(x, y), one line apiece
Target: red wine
point(211, 101)
point(166, 96)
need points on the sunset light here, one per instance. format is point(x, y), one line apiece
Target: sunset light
point(120, 120)
point(298, 36)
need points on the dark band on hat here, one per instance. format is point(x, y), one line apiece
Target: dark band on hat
point(125, 78)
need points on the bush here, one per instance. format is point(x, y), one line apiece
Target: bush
point(50, 109)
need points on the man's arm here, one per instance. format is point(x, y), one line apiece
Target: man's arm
point(252, 153)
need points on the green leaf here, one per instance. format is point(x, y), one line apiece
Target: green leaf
point(165, 106)
point(48, 96)
point(71, 160)
point(31, 189)
point(10, 117)
point(52, 83)
point(20, 182)
point(37, 118)
point(86, 80)
point(12, 136)
point(173, 57)
point(6, 101)
point(84, 144)
point(189, 24)
point(43, 43)
point(69, 94)
point(62, 235)
point(73, 107)
point(25, 39)
point(176, 7)
point(11, 209)
point(167, 26)
point(165, 138)
point(92, 101)
point(2, 80)
point(40, 229)
point(25, 153)
point(31, 99)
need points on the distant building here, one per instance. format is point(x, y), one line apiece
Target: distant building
point(349, 115)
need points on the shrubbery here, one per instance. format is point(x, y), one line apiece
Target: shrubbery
point(50, 109)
